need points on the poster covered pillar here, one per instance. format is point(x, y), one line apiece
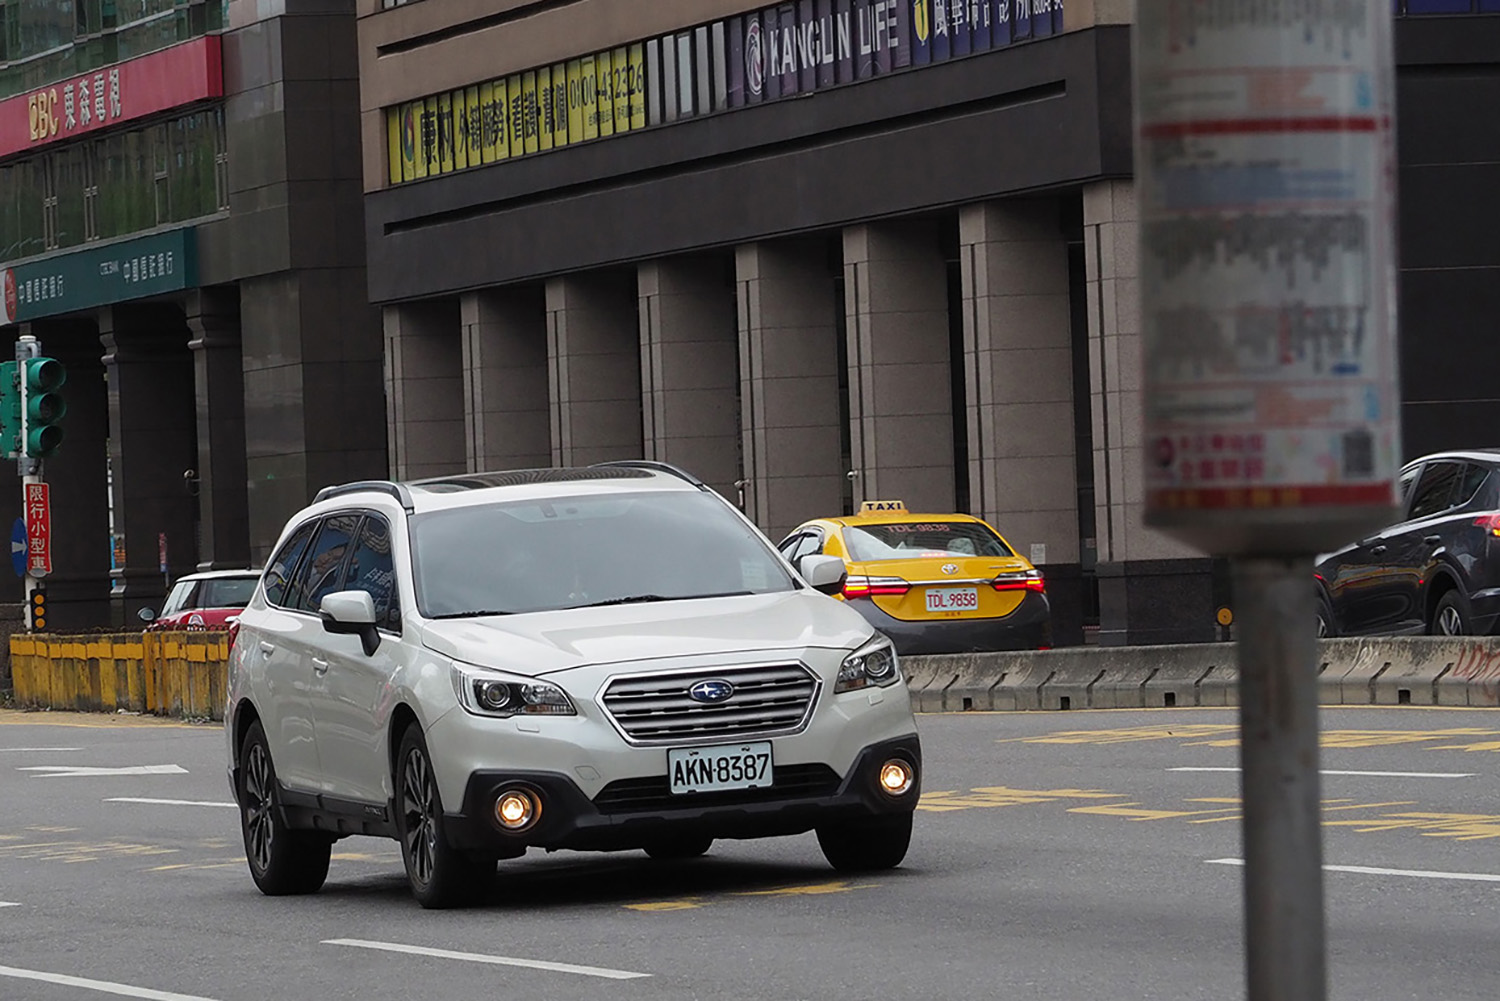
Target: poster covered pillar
point(594, 367)
point(506, 413)
point(690, 367)
point(900, 377)
point(790, 385)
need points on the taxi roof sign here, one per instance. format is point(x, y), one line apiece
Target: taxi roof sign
point(874, 507)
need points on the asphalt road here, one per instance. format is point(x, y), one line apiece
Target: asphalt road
point(1057, 856)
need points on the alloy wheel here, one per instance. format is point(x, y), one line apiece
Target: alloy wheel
point(1450, 622)
point(258, 819)
point(419, 808)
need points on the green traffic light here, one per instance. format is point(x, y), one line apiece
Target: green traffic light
point(45, 407)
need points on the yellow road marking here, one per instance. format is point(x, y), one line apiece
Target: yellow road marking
point(1459, 826)
point(997, 796)
point(1134, 811)
point(813, 890)
point(1132, 734)
point(1486, 745)
point(53, 830)
point(685, 904)
point(1227, 736)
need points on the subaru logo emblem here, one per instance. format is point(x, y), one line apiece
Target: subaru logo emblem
point(711, 692)
point(950, 568)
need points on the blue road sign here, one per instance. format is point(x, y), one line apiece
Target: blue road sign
point(18, 547)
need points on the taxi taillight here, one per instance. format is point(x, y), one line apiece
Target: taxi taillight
point(867, 587)
point(1025, 580)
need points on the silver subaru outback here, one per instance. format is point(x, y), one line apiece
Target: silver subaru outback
point(594, 659)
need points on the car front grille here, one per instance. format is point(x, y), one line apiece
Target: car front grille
point(657, 709)
point(655, 794)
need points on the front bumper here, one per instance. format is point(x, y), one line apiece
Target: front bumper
point(633, 813)
point(1029, 627)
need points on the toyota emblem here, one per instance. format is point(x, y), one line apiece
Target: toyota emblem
point(950, 568)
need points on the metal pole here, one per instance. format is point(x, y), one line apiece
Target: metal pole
point(1284, 923)
point(29, 469)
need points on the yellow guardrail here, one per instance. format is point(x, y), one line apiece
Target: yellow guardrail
point(165, 673)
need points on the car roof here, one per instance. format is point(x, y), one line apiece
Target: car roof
point(895, 518)
point(219, 574)
point(1491, 455)
point(469, 489)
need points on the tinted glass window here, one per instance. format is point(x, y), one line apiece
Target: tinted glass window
point(530, 556)
point(910, 540)
point(284, 564)
point(320, 573)
point(226, 592)
point(789, 545)
point(1408, 477)
point(1474, 477)
point(1436, 488)
point(372, 570)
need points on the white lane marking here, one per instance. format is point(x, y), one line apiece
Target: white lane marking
point(72, 772)
point(168, 802)
point(1329, 771)
point(474, 957)
point(7, 903)
point(1365, 870)
point(20, 750)
point(102, 986)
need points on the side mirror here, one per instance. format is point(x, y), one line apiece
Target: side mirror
point(146, 615)
point(351, 613)
point(825, 574)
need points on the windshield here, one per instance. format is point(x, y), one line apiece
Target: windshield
point(532, 556)
point(913, 540)
point(228, 592)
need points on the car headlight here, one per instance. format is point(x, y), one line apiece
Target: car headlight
point(872, 664)
point(493, 693)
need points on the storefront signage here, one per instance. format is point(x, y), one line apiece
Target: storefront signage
point(133, 89)
point(783, 51)
point(118, 272)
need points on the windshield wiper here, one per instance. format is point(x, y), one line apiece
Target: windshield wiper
point(641, 599)
point(482, 613)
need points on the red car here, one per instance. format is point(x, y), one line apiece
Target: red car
point(207, 600)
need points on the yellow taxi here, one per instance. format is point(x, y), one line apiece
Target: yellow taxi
point(933, 583)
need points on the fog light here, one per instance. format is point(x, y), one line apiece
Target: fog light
point(896, 777)
point(517, 809)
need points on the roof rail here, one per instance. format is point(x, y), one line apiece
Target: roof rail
point(396, 490)
point(660, 467)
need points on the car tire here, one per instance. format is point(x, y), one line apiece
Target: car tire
point(1326, 628)
point(440, 875)
point(880, 843)
point(1449, 617)
point(679, 848)
point(283, 861)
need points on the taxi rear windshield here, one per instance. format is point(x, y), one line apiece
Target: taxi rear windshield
point(915, 539)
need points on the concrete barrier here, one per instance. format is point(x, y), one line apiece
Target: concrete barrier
point(166, 673)
point(1398, 670)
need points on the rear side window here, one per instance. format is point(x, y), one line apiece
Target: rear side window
point(372, 570)
point(322, 569)
point(279, 571)
point(1474, 477)
point(1435, 490)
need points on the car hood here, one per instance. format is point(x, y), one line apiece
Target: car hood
point(545, 642)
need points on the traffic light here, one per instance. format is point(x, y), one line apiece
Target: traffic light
point(40, 433)
point(38, 609)
point(10, 411)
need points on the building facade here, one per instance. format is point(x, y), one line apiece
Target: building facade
point(181, 225)
point(827, 251)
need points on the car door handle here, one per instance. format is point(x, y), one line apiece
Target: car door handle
point(320, 665)
point(1376, 550)
point(267, 648)
point(1432, 540)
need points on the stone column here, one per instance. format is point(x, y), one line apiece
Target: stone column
point(152, 442)
point(424, 388)
point(690, 380)
point(507, 419)
point(78, 589)
point(213, 317)
point(792, 420)
point(1151, 589)
point(594, 368)
point(1018, 369)
point(900, 389)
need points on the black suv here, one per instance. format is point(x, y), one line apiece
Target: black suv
point(1437, 570)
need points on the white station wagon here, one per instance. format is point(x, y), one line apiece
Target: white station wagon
point(595, 659)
